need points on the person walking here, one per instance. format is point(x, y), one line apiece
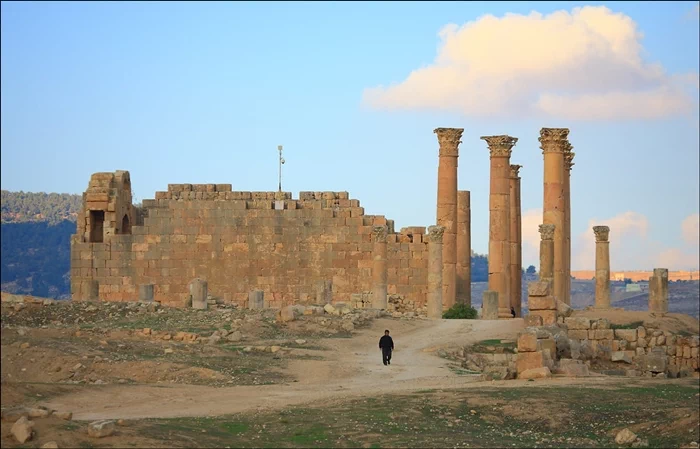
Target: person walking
point(386, 344)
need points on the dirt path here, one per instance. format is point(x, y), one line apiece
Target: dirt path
point(352, 368)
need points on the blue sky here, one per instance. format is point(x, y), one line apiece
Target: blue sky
point(204, 93)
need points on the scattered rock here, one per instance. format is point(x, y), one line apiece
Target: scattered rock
point(50, 445)
point(24, 345)
point(274, 349)
point(168, 350)
point(22, 429)
point(122, 423)
point(15, 413)
point(300, 342)
point(329, 309)
point(39, 412)
point(625, 436)
point(536, 373)
point(101, 429)
point(235, 336)
point(621, 356)
point(64, 415)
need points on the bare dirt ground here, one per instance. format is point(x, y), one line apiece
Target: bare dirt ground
point(322, 386)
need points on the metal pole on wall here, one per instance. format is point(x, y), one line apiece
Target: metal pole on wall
point(279, 148)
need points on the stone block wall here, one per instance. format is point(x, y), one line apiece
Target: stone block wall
point(243, 241)
point(648, 351)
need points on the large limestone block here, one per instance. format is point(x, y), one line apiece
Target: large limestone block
point(541, 303)
point(538, 288)
point(563, 309)
point(256, 300)
point(490, 305)
point(572, 368)
point(548, 346)
point(198, 293)
point(654, 362)
point(549, 317)
point(578, 334)
point(577, 323)
point(535, 373)
point(101, 429)
point(529, 360)
point(604, 334)
point(626, 334)
point(621, 356)
point(22, 429)
point(527, 342)
point(146, 293)
point(533, 320)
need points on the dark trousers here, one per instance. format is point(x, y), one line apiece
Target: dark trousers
point(386, 355)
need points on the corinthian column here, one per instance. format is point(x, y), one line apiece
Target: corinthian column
point(516, 261)
point(464, 249)
point(379, 268)
point(500, 148)
point(435, 270)
point(448, 138)
point(568, 163)
point(553, 143)
point(602, 267)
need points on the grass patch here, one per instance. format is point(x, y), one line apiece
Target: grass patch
point(493, 346)
point(632, 325)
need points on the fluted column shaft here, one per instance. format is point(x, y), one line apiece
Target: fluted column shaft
point(449, 140)
point(379, 268)
point(464, 248)
point(435, 271)
point(547, 253)
point(568, 164)
point(553, 143)
point(602, 267)
point(516, 261)
point(500, 148)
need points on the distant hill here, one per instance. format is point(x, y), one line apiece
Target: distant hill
point(36, 230)
point(23, 207)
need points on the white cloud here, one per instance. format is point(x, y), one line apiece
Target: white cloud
point(632, 248)
point(584, 64)
point(530, 221)
point(690, 227)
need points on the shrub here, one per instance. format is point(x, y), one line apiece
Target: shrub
point(460, 312)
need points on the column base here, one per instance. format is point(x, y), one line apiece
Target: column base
point(504, 313)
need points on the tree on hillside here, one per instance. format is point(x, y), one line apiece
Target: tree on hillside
point(531, 270)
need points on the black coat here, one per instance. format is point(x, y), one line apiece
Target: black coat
point(386, 343)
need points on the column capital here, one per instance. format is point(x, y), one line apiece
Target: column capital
point(515, 171)
point(500, 146)
point(569, 159)
point(554, 140)
point(435, 234)
point(547, 231)
point(661, 272)
point(379, 234)
point(601, 233)
point(449, 140)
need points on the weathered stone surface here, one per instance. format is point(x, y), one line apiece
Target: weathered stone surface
point(535, 373)
point(39, 412)
point(548, 346)
point(234, 336)
point(286, 314)
point(579, 334)
point(527, 342)
point(498, 372)
point(542, 303)
point(549, 317)
point(563, 309)
point(654, 362)
point(626, 334)
point(575, 323)
point(533, 320)
point(14, 413)
point(198, 293)
point(529, 360)
point(538, 288)
point(50, 445)
point(604, 334)
point(490, 305)
point(67, 416)
point(625, 436)
point(572, 368)
point(621, 356)
point(22, 429)
point(256, 300)
point(101, 429)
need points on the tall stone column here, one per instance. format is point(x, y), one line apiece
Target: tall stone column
point(500, 148)
point(464, 248)
point(568, 164)
point(516, 260)
point(553, 143)
point(448, 138)
point(658, 291)
point(379, 268)
point(602, 267)
point(547, 253)
point(435, 271)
